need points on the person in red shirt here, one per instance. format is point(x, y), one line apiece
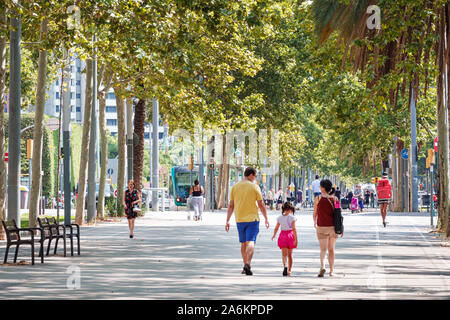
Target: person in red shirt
point(324, 224)
point(384, 193)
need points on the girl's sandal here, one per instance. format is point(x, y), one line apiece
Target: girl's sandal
point(321, 273)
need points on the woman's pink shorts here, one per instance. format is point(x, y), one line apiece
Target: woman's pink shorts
point(286, 240)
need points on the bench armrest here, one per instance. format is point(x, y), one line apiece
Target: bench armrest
point(77, 226)
point(30, 230)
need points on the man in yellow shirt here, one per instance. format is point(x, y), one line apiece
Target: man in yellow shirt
point(243, 199)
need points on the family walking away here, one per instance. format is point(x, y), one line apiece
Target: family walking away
point(245, 198)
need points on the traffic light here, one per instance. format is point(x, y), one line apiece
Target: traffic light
point(431, 156)
point(29, 148)
point(212, 164)
point(430, 159)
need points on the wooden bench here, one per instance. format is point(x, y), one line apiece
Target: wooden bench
point(13, 238)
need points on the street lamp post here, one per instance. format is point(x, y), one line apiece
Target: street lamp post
point(155, 154)
point(66, 143)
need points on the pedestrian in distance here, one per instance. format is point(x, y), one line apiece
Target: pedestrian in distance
point(324, 223)
point(316, 187)
point(245, 198)
point(197, 200)
point(372, 199)
point(270, 199)
point(338, 193)
point(360, 203)
point(350, 196)
point(130, 202)
point(287, 240)
point(384, 194)
point(279, 199)
point(367, 198)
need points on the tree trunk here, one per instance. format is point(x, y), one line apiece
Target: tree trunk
point(208, 199)
point(218, 190)
point(38, 130)
point(84, 156)
point(138, 150)
point(443, 166)
point(227, 185)
point(121, 147)
point(400, 177)
point(442, 125)
point(103, 154)
point(2, 117)
point(223, 175)
point(105, 77)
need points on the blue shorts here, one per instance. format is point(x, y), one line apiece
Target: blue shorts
point(248, 231)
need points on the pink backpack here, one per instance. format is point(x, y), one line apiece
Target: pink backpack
point(384, 189)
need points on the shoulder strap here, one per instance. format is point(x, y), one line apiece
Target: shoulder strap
point(330, 202)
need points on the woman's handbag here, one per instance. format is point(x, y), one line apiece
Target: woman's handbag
point(338, 218)
point(136, 208)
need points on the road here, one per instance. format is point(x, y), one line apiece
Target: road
point(175, 258)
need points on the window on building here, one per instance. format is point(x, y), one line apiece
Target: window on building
point(161, 134)
point(113, 133)
point(110, 95)
point(147, 135)
point(78, 82)
point(78, 69)
point(57, 95)
point(111, 109)
point(111, 122)
point(71, 95)
point(78, 95)
point(78, 109)
point(57, 82)
point(57, 108)
point(71, 108)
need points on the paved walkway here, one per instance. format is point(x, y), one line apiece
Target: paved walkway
point(173, 258)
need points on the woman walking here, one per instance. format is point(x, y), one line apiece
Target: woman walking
point(324, 224)
point(197, 200)
point(130, 200)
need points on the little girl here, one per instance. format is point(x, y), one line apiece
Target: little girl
point(287, 241)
